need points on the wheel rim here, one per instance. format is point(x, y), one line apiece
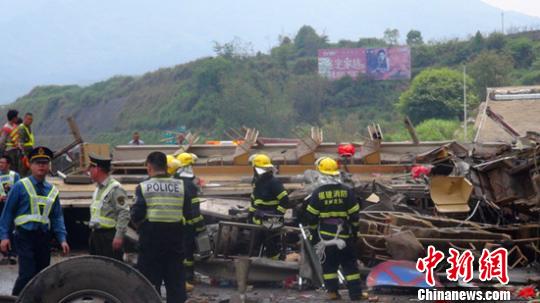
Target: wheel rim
point(90, 296)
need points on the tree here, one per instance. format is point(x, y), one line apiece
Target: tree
point(414, 37)
point(490, 69)
point(391, 36)
point(522, 51)
point(436, 93)
point(496, 41)
point(308, 95)
point(307, 41)
point(478, 42)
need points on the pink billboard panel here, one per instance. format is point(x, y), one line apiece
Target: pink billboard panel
point(338, 62)
point(378, 63)
point(389, 63)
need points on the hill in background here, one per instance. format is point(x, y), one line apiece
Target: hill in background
point(276, 93)
point(83, 41)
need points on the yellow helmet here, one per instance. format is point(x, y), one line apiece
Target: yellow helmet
point(327, 166)
point(260, 161)
point(186, 159)
point(172, 164)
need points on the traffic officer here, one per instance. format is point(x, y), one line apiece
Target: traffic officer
point(34, 207)
point(195, 225)
point(332, 213)
point(7, 179)
point(268, 201)
point(109, 211)
point(160, 211)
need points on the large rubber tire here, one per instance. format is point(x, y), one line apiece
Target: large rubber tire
point(89, 279)
point(8, 299)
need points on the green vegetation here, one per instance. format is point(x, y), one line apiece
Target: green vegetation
point(281, 91)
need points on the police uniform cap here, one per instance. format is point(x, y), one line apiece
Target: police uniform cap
point(40, 153)
point(99, 161)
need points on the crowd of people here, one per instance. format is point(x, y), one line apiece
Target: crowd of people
point(166, 214)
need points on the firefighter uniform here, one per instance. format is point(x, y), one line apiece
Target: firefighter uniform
point(162, 205)
point(34, 208)
point(268, 199)
point(195, 225)
point(109, 213)
point(332, 214)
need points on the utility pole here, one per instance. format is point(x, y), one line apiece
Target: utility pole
point(502, 22)
point(464, 104)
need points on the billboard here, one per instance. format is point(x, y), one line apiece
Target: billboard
point(378, 63)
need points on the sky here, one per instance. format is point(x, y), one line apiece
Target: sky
point(59, 42)
point(529, 7)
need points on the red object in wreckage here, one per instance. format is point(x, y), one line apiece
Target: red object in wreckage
point(346, 150)
point(420, 170)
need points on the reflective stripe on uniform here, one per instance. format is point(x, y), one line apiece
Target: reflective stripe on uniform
point(188, 262)
point(98, 198)
point(35, 202)
point(312, 210)
point(353, 209)
point(195, 220)
point(326, 233)
point(164, 200)
point(266, 203)
point(333, 214)
point(330, 276)
point(281, 209)
point(352, 277)
point(281, 195)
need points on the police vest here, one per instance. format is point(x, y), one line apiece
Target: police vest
point(98, 198)
point(13, 137)
point(40, 206)
point(8, 179)
point(30, 135)
point(164, 200)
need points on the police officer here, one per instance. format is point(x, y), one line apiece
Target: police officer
point(7, 179)
point(195, 225)
point(160, 210)
point(332, 213)
point(34, 207)
point(268, 201)
point(109, 212)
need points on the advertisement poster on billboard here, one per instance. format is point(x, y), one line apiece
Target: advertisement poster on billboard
point(389, 63)
point(339, 62)
point(378, 63)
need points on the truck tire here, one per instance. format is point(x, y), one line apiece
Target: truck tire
point(89, 279)
point(8, 299)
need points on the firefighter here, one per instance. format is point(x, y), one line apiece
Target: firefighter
point(109, 211)
point(34, 208)
point(268, 201)
point(196, 225)
point(332, 214)
point(160, 211)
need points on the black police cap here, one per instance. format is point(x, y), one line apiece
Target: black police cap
point(99, 161)
point(40, 153)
